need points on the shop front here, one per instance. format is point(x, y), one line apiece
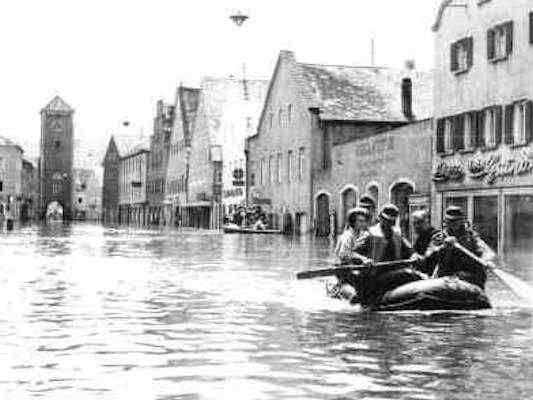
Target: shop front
point(496, 193)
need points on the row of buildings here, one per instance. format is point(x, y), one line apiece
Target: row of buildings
point(306, 144)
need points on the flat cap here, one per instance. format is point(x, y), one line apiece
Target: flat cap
point(367, 200)
point(390, 212)
point(454, 213)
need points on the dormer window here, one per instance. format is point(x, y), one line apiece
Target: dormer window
point(462, 55)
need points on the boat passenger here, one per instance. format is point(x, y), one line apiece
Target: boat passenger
point(368, 202)
point(450, 261)
point(426, 233)
point(357, 224)
point(382, 242)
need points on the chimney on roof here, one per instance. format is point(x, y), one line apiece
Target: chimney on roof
point(407, 98)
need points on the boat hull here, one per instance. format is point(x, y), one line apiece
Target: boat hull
point(449, 293)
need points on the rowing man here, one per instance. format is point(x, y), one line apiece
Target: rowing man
point(450, 261)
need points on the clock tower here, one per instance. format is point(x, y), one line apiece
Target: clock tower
point(56, 159)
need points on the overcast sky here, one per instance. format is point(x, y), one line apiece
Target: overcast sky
point(112, 59)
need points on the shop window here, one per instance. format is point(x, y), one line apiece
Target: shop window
point(485, 219)
point(500, 42)
point(518, 235)
point(462, 55)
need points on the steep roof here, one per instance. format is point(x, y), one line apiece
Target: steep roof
point(4, 141)
point(443, 6)
point(348, 93)
point(57, 104)
point(130, 144)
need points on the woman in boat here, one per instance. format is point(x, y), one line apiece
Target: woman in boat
point(357, 223)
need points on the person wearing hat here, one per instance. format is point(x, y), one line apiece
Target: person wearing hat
point(382, 242)
point(424, 231)
point(368, 202)
point(449, 260)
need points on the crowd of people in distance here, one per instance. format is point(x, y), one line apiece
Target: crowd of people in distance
point(252, 217)
point(368, 239)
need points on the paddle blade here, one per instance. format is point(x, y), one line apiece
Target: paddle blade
point(520, 288)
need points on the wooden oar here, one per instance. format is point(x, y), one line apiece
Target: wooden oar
point(319, 273)
point(520, 288)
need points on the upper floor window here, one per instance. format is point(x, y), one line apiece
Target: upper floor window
point(492, 126)
point(280, 167)
point(262, 171)
point(448, 129)
point(518, 122)
point(462, 55)
point(271, 120)
point(280, 118)
point(1, 186)
point(301, 163)
point(289, 114)
point(270, 169)
point(289, 165)
point(500, 41)
point(531, 27)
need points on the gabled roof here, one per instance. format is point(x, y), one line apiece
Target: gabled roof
point(445, 4)
point(129, 144)
point(349, 93)
point(4, 141)
point(57, 104)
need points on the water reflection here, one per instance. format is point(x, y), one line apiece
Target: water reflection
point(98, 313)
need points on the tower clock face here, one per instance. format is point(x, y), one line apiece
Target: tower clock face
point(56, 125)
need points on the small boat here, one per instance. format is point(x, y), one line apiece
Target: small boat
point(237, 229)
point(405, 291)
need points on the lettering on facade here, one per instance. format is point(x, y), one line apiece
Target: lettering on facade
point(486, 169)
point(375, 147)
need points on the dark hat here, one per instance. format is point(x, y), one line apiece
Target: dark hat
point(367, 201)
point(357, 211)
point(454, 213)
point(390, 212)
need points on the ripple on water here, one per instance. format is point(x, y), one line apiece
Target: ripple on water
point(97, 313)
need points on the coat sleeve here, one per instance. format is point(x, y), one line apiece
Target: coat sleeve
point(433, 253)
point(484, 250)
point(407, 248)
point(343, 250)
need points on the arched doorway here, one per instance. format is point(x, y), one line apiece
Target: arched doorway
point(348, 201)
point(373, 190)
point(54, 211)
point(322, 215)
point(399, 195)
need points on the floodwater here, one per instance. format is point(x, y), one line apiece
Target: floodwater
point(95, 313)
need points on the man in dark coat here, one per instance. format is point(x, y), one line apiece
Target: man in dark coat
point(449, 260)
point(368, 202)
point(382, 242)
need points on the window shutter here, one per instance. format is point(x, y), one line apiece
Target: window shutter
point(458, 132)
point(529, 121)
point(509, 37)
point(480, 128)
point(454, 64)
point(490, 44)
point(531, 27)
point(473, 129)
point(509, 121)
point(499, 126)
point(470, 51)
point(440, 136)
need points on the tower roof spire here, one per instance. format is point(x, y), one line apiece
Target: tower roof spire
point(57, 104)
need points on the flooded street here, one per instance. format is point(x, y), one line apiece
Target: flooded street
point(96, 313)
